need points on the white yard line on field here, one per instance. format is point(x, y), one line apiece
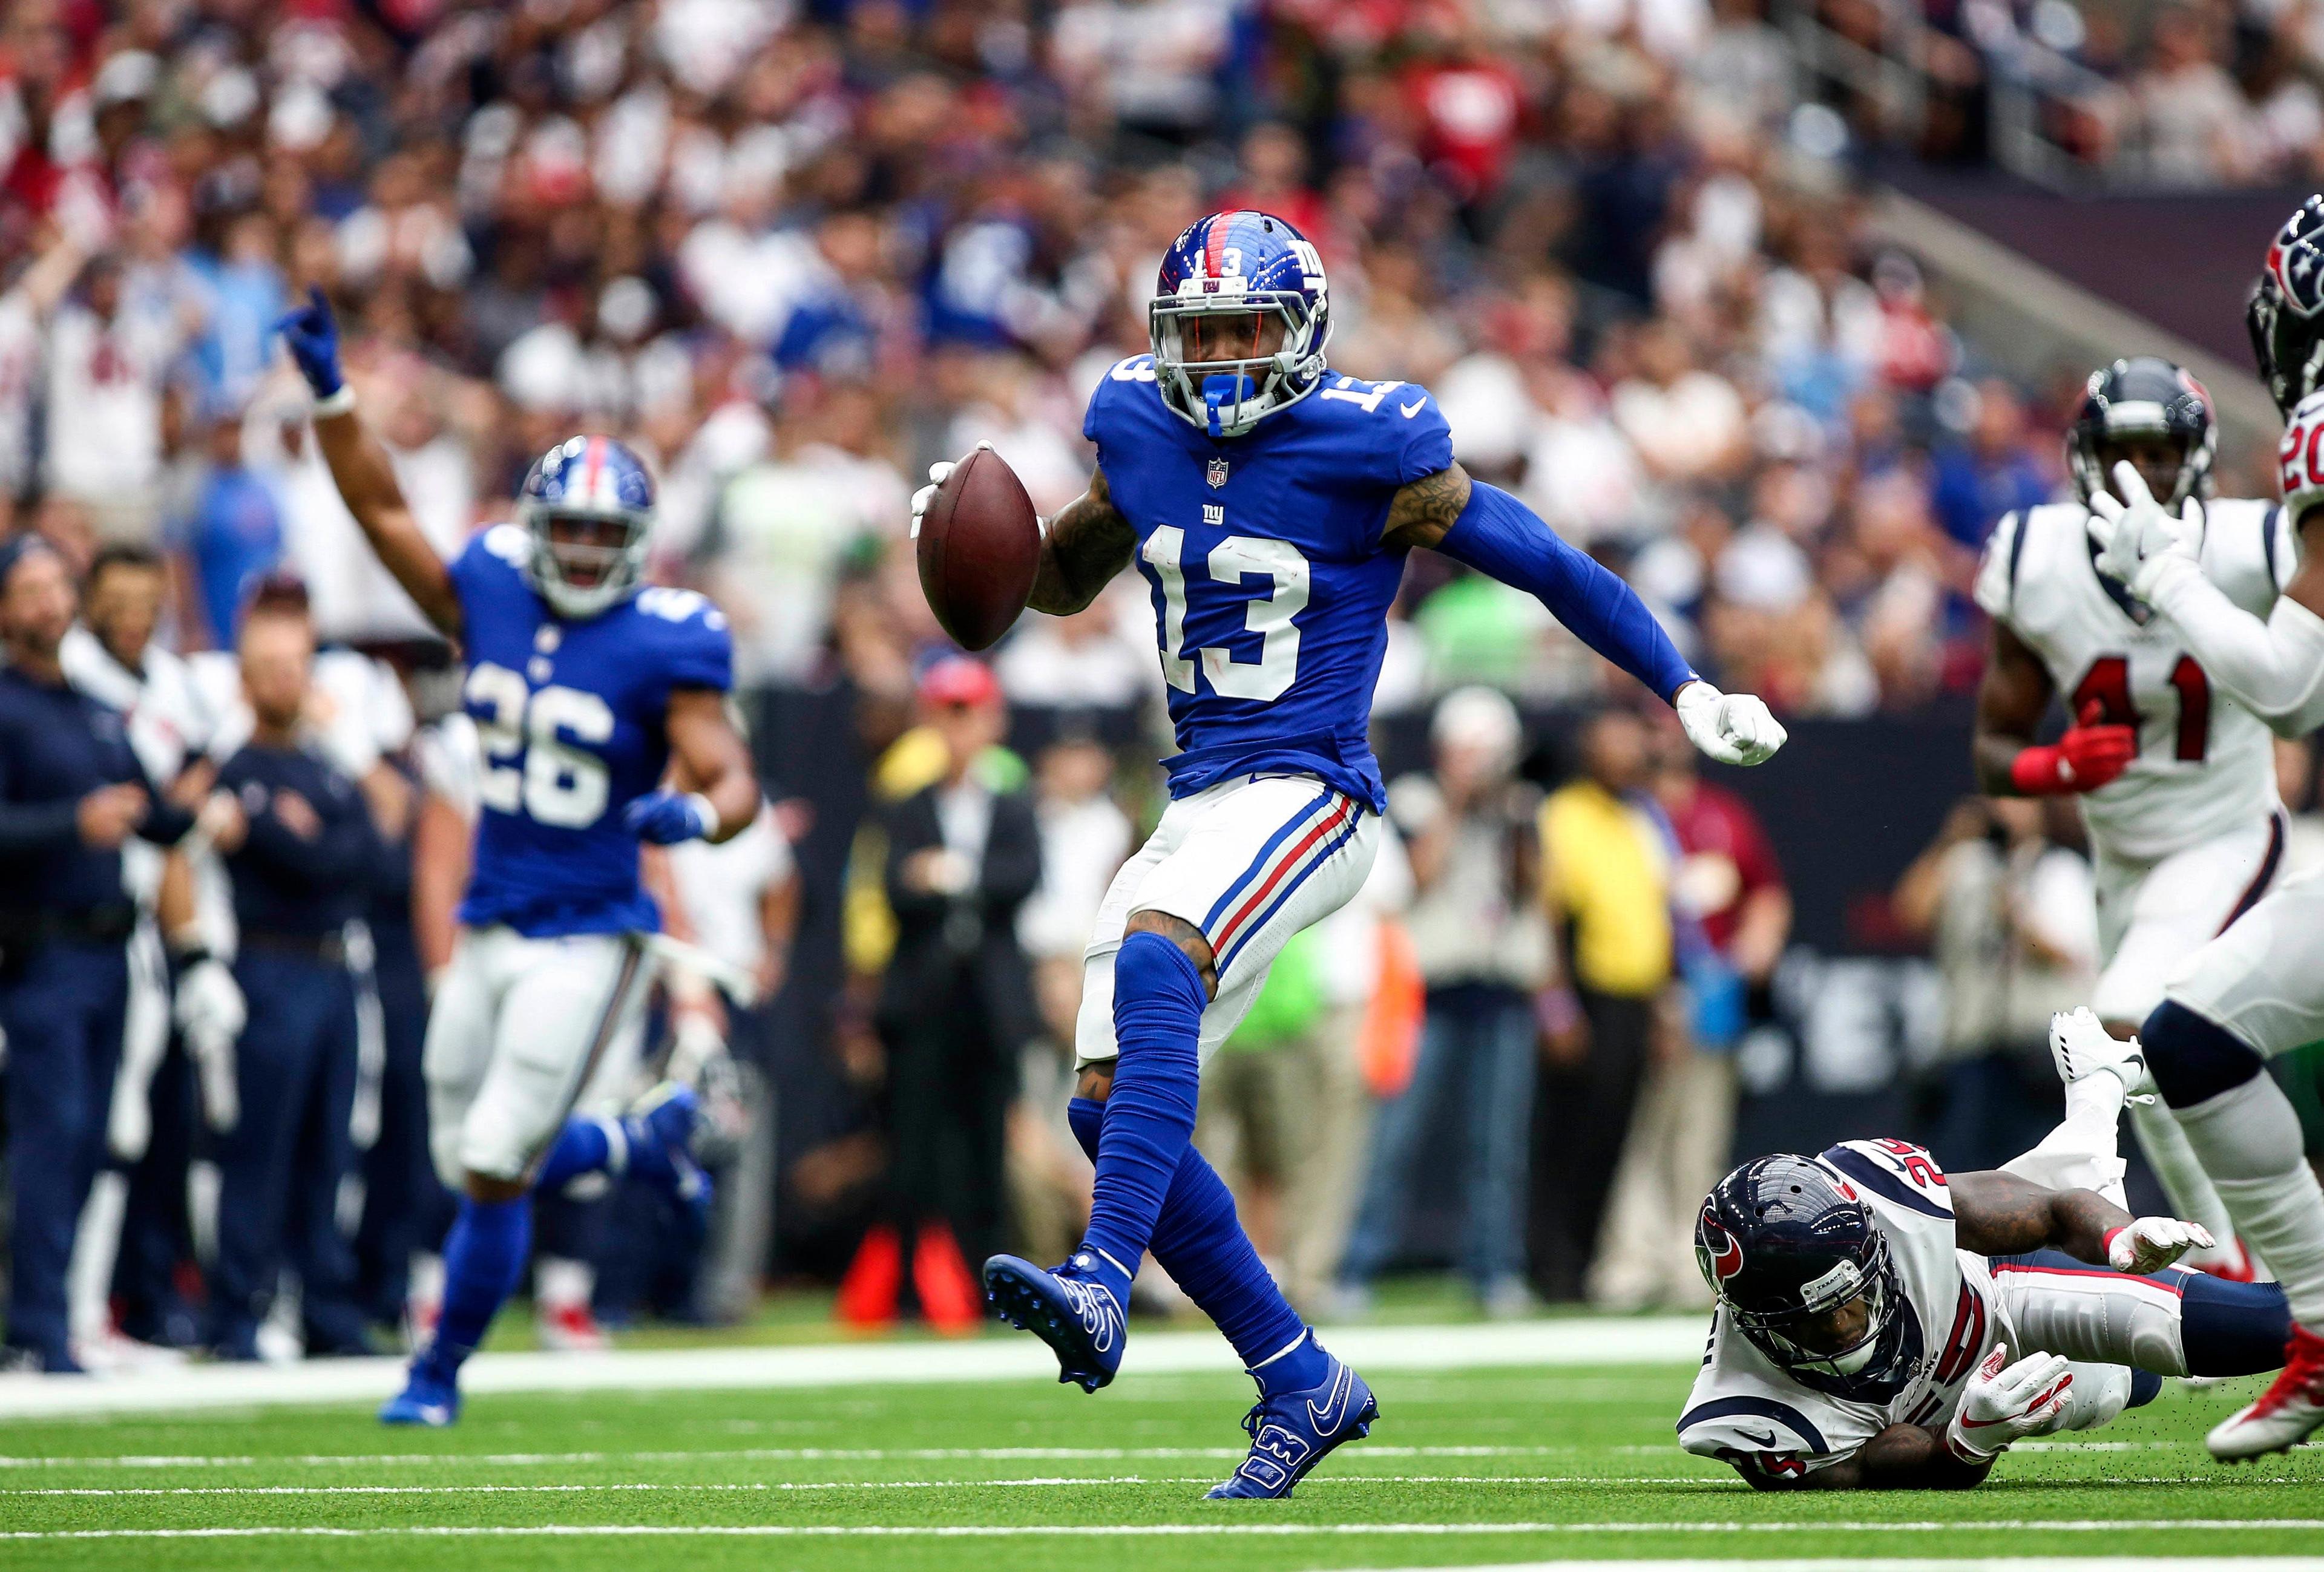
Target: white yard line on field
point(744, 1454)
point(1157, 1530)
point(1320, 1480)
point(1612, 1340)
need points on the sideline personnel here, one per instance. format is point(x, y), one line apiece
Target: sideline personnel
point(71, 791)
point(302, 871)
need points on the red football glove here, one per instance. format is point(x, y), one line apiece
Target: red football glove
point(2085, 758)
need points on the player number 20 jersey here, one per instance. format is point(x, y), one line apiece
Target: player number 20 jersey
point(2206, 766)
point(1263, 555)
point(570, 719)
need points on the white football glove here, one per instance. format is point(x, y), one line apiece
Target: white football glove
point(2140, 545)
point(210, 1014)
point(2080, 1046)
point(2151, 1243)
point(1731, 728)
point(2005, 1403)
point(926, 494)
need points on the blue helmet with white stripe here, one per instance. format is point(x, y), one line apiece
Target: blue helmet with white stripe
point(589, 507)
point(1239, 321)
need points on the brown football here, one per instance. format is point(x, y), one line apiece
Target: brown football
point(980, 546)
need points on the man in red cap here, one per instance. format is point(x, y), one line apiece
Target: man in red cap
point(955, 1008)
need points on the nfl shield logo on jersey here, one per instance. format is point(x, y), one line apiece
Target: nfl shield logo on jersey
point(1217, 474)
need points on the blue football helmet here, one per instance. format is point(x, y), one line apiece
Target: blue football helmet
point(1788, 1247)
point(589, 507)
point(1238, 322)
point(2286, 313)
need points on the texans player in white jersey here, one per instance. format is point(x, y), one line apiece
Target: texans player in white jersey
point(2257, 991)
point(1881, 1327)
point(588, 690)
point(1269, 505)
point(2176, 783)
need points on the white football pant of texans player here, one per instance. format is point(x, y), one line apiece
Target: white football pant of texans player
point(2257, 991)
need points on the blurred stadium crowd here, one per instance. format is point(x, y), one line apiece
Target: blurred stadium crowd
point(2159, 93)
point(796, 253)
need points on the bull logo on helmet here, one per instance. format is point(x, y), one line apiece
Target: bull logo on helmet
point(1723, 1255)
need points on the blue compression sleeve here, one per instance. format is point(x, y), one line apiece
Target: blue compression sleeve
point(1495, 534)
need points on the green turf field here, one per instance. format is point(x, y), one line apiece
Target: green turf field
point(1466, 1468)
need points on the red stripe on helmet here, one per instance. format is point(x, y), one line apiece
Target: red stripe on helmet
point(1214, 243)
point(594, 462)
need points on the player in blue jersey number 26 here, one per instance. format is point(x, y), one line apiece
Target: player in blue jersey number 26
point(1270, 504)
point(601, 707)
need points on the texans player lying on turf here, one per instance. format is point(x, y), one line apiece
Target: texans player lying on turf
point(587, 688)
point(2176, 783)
point(1881, 1327)
point(1269, 505)
point(2256, 990)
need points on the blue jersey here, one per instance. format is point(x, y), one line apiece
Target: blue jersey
point(570, 714)
point(1270, 585)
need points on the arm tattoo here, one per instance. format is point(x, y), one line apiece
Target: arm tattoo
point(1424, 510)
point(1996, 1213)
point(1089, 541)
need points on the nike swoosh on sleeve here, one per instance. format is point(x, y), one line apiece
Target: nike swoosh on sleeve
point(1414, 407)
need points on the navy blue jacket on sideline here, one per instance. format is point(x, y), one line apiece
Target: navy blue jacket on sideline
point(57, 745)
point(284, 883)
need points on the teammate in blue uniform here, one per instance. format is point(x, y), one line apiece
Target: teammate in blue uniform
point(589, 693)
point(1270, 504)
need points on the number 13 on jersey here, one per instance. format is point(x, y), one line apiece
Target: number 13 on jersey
point(1268, 615)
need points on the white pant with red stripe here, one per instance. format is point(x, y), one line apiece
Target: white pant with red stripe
point(2108, 1323)
point(1250, 862)
point(522, 1032)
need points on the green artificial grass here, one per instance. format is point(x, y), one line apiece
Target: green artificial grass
point(1465, 1467)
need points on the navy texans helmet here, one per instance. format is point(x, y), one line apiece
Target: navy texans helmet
point(2286, 311)
point(2143, 396)
point(1785, 1242)
point(1225, 287)
point(588, 506)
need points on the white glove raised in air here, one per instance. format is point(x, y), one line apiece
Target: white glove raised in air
point(926, 494)
point(2152, 1244)
point(2140, 545)
point(2005, 1403)
point(1731, 728)
point(210, 1014)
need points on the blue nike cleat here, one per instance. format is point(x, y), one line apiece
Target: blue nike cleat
point(660, 1127)
point(1293, 1431)
point(427, 1399)
point(1076, 1315)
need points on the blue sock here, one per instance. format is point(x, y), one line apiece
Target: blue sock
point(1201, 1243)
point(582, 1146)
point(484, 1255)
point(2230, 1329)
point(1149, 1119)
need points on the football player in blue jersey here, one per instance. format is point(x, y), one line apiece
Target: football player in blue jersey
point(1270, 504)
point(596, 700)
